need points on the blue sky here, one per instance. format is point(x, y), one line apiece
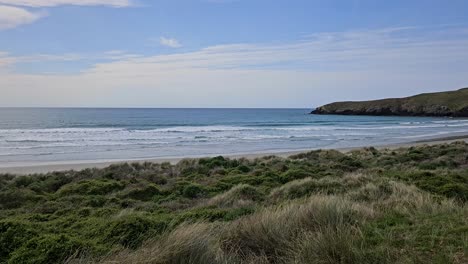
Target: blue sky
point(227, 53)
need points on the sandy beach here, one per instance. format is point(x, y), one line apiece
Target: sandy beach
point(80, 165)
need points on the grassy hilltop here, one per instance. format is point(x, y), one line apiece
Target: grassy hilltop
point(453, 103)
point(367, 206)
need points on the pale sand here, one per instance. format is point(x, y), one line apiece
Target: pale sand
point(80, 165)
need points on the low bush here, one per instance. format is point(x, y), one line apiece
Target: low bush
point(193, 191)
point(12, 236)
point(403, 205)
point(143, 193)
point(91, 187)
point(294, 174)
point(130, 231)
point(47, 249)
point(14, 198)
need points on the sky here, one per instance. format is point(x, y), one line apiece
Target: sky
point(227, 53)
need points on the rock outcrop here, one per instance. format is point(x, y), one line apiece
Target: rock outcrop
point(451, 104)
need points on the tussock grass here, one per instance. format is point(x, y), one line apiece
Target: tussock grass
point(328, 245)
point(271, 233)
point(239, 196)
point(194, 243)
point(305, 187)
point(367, 206)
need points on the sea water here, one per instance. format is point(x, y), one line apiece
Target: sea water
point(34, 136)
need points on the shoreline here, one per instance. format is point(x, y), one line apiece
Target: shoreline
point(81, 165)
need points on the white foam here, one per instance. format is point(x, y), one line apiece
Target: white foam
point(61, 141)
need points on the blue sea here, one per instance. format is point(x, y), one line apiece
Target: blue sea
point(51, 136)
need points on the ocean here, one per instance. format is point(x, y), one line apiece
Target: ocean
point(30, 136)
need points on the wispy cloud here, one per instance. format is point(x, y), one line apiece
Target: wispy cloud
point(13, 13)
point(320, 68)
point(11, 17)
point(169, 42)
point(52, 3)
point(353, 50)
point(6, 60)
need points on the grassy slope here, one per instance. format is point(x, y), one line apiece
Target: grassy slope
point(454, 100)
point(367, 206)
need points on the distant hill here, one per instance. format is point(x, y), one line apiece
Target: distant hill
point(452, 103)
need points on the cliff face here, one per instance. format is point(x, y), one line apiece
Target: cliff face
point(453, 103)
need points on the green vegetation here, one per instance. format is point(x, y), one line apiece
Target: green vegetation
point(453, 103)
point(366, 206)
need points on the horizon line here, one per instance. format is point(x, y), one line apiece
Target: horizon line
point(105, 107)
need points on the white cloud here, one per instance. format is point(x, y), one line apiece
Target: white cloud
point(169, 42)
point(11, 17)
point(324, 67)
point(51, 3)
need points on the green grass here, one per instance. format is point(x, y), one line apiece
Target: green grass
point(367, 206)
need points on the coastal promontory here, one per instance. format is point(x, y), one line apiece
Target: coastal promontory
point(450, 104)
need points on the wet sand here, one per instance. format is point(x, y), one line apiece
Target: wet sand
point(80, 165)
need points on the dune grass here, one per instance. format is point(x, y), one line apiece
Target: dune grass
point(366, 206)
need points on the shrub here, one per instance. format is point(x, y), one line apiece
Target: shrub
point(14, 198)
point(347, 163)
point(5, 179)
point(92, 187)
point(95, 201)
point(213, 162)
point(50, 184)
point(294, 174)
point(144, 193)
point(247, 179)
point(243, 169)
point(12, 236)
point(193, 191)
point(312, 155)
point(130, 231)
point(23, 181)
point(157, 179)
point(46, 249)
point(48, 207)
point(118, 171)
